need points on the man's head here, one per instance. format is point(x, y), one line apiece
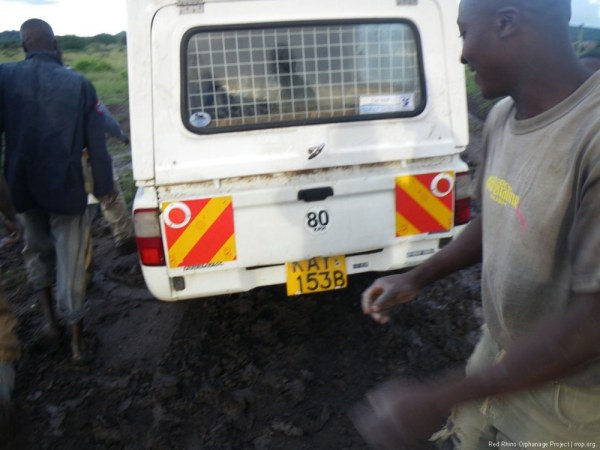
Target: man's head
point(504, 38)
point(37, 35)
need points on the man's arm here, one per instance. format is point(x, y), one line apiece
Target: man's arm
point(112, 126)
point(462, 252)
point(392, 290)
point(399, 413)
point(555, 349)
point(95, 143)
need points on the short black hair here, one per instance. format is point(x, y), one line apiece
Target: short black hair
point(37, 34)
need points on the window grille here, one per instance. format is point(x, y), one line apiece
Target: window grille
point(323, 72)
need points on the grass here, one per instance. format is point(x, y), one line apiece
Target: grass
point(127, 184)
point(11, 54)
point(104, 65)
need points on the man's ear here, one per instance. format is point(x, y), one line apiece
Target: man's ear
point(507, 21)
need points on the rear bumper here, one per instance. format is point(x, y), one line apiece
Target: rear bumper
point(218, 281)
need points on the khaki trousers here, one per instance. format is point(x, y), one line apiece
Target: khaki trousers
point(9, 343)
point(552, 416)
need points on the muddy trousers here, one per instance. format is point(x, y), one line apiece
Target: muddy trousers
point(554, 415)
point(55, 251)
point(9, 348)
point(117, 213)
point(9, 344)
point(117, 216)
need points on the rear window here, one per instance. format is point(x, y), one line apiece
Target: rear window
point(287, 75)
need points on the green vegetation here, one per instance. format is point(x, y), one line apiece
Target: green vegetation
point(11, 39)
point(11, 54)
point(127, 186)
point(101, 58)
point(106, 67)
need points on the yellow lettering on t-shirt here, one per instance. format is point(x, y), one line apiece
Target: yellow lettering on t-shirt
point(501, 192)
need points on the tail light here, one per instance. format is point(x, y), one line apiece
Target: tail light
point(462, 202)
point(146, 225)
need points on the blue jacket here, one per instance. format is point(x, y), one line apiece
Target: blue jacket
point(48, 115)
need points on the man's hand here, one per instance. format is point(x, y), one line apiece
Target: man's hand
point(387, 292)
point(401, 415)
point(392, 290)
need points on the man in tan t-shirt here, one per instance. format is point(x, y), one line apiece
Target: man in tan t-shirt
point(534, 378)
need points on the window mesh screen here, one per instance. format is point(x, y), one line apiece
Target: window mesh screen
point(301, 73)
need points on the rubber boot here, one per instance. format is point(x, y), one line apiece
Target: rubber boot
point(77, 345)
point(9, 431)
point(51, 329)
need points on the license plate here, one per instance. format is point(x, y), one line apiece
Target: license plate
point(316, 275)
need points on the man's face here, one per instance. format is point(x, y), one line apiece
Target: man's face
point(481, 47)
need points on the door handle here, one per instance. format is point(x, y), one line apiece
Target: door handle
point(315, 194)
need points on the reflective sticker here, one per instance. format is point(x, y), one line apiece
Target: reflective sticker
point(442, 184)
point(177, 215)
point(424, 203)
point(199, 232)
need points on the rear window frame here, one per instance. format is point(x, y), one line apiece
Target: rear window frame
point(419, 108)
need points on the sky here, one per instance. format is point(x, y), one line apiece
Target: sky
point(79, 17)
point(91, 17)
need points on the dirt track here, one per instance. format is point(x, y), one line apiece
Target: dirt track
point(251, 371)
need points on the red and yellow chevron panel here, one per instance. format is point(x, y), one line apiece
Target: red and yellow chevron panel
point(199, 231)
point(424, 203)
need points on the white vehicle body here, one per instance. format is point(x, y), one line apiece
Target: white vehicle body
point(269, 132)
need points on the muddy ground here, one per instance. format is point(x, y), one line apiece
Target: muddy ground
point(256, 370)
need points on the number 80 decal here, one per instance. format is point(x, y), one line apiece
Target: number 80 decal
point(317, 220)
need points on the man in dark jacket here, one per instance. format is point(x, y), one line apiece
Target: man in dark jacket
point(48, 115)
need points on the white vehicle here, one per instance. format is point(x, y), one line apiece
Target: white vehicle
point(277, 141)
